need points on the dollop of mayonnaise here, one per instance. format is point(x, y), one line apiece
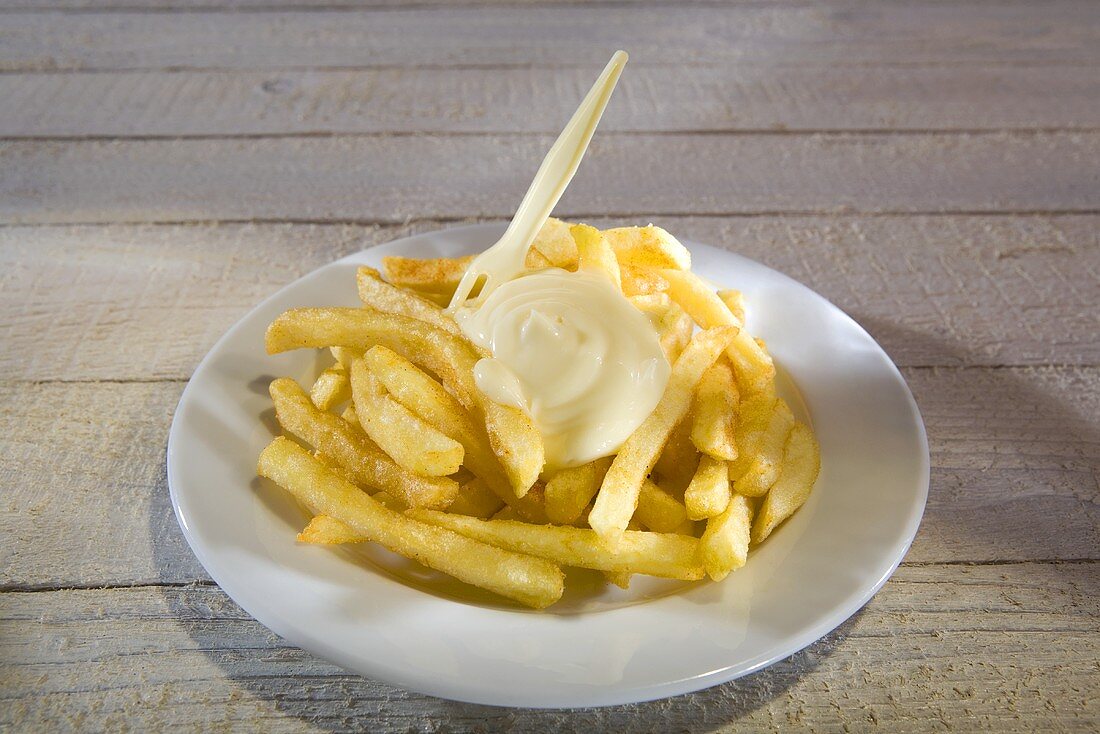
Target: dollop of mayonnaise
point(571, 351)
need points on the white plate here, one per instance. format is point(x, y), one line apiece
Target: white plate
point(394, 621)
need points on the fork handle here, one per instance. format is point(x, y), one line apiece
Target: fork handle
point(507, 257)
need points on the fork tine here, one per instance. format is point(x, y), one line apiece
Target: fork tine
point(465, 287)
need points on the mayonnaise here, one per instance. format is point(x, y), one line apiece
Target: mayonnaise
point(570, 350)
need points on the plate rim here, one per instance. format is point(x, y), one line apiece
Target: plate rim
point(609, 696)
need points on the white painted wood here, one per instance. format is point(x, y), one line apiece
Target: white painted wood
point(846, 34)
point(648, 98)
point(392, 179)
point(1014, 456)
point(86, 303)
point(1001, 648)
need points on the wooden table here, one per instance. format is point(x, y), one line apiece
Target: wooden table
point(933, 168)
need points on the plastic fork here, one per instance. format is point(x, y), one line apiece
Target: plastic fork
point(505, 259)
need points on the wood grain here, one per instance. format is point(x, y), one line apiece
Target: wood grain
point(91, 303)
point(846, 34)
point(1015, 460)
point(994, 647)
point(803, 97)
point(391, 179)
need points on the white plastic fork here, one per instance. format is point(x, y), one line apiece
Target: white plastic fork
point(505, 260)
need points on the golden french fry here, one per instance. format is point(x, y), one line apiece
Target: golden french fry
point(618, 495)
point(619, 578)
point(556, 245)
point(536, 260)
point(353, 451)
point(507, 513)
point(345, 356)
point(532, 581)
point(569, 491)
point(753, 416)
point(404, 436)
point(476, 500)
point(655, 554)
point(594, 254)
point(438, 276)
point(678, 460)
point(381, 296)
point(423, 395)
point(753, 365)
point(714, 414)
point(325, 530)
point(725, 543)
point(763, 470)
point(512, 434)
point(801, 464)
point(653, 305)
point(709, 491)
point(672, 324)
point(352, 418)
point(650, 247)
point(735, 302)
point(675, 330)
point(641, 281)
point(331, 388)
point(658, 510)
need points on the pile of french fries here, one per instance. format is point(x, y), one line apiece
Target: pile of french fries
point(394, 443)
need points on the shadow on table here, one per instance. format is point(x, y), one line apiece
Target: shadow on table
point(324, 696)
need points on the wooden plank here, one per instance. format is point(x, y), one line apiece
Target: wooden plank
point(1014, 454)
point(1003, 648)
point(533, 100)
point(855, 34)
point(392, 179)
point(951, 291)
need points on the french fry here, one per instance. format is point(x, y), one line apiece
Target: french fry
point(438, 276)
point(423, 395)
point(556, 245)
point(709, 491)
point(763, 470)
point(655, 554)
point(354, 451)
point(725, 543)
point(387, 298)
point(476, 500)
point(331, 388)
point(531, 581)
point(507, 513)
point(594, 254)
point(569, 491)
point(325, 530)
point(345, 356)
point(714, 415)
point(403, 435)
point(735, 302)
point(512, 434)
point(658, 510)
point(536, 260)
point(653, 305)
point(352, 418)
point(641, 281)
point(753, 365)
point(801, 464)
point(618, 495)
point(675, 329)
point(650, 247)
point(678, 460)
point(753, 416)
